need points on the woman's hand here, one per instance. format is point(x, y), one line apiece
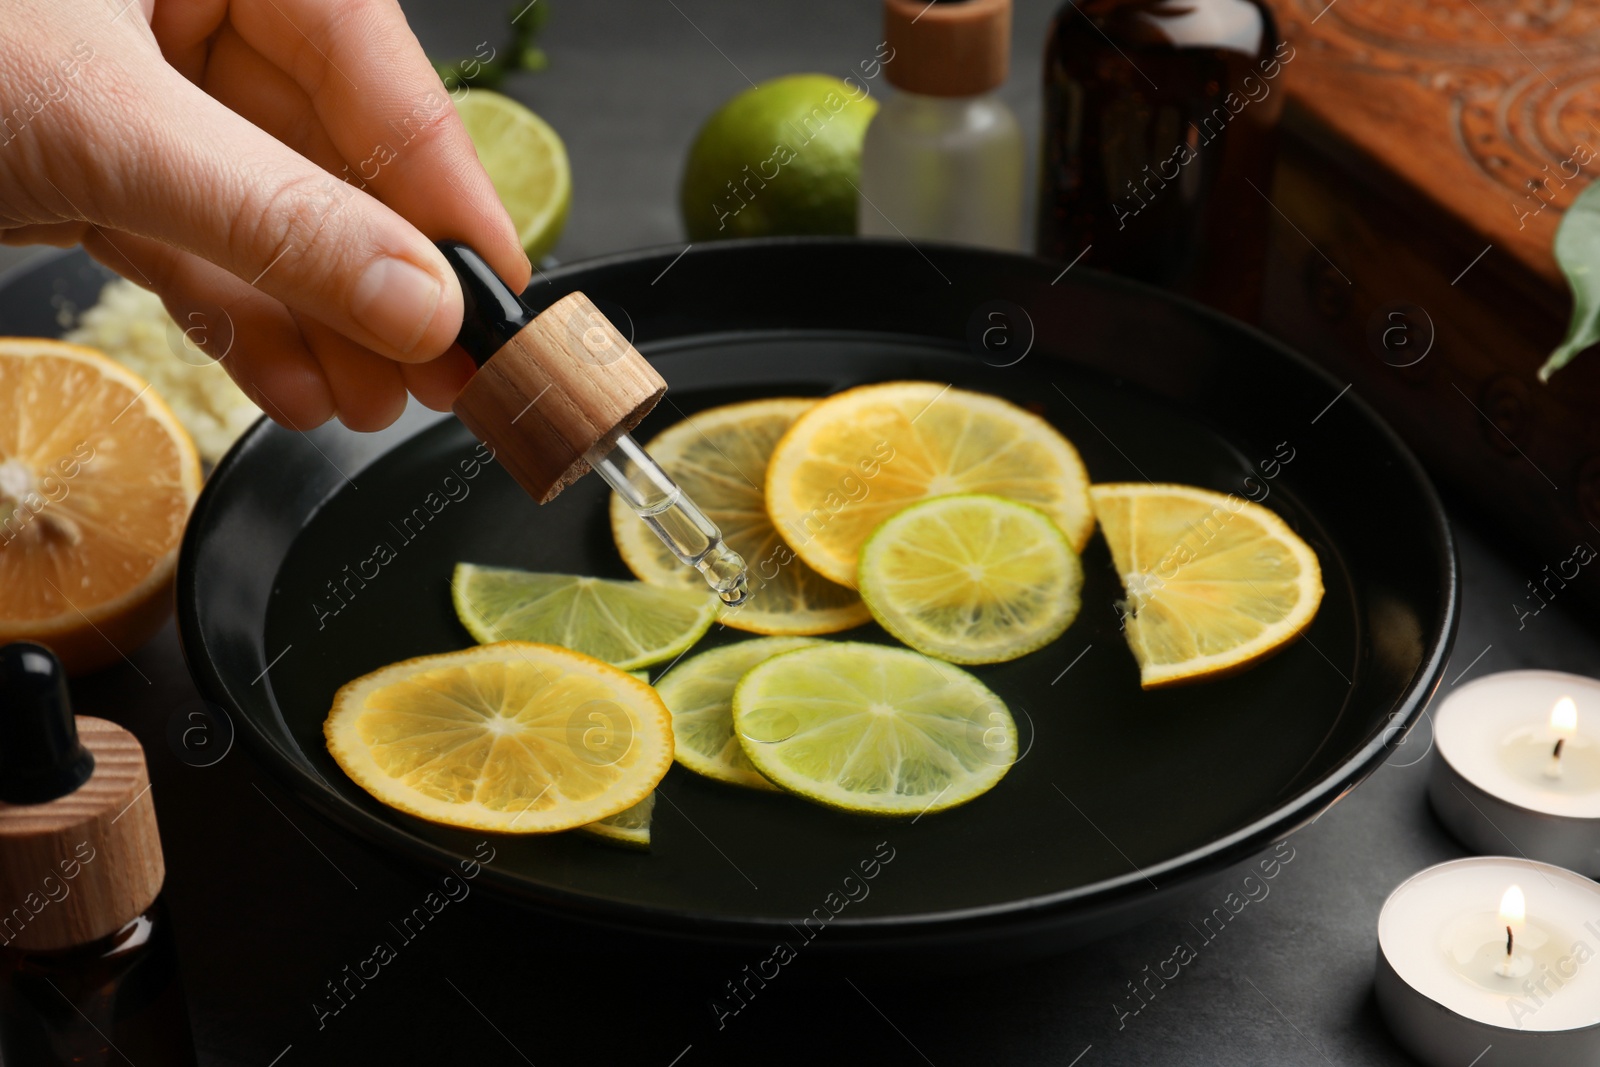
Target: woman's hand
point(274, 169)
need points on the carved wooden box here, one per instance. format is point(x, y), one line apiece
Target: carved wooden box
point(1430, 148)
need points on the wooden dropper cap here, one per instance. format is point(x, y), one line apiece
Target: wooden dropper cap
point(550, 386)
point(947, 47)
point(80, 856)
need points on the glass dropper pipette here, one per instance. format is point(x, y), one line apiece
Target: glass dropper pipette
point(492, 316)
point(664, 507)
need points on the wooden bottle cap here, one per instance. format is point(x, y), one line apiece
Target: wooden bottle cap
point(948, 47)
point(565, 382)
point(82, 866)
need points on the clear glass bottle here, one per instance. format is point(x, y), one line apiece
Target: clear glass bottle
point(943, 168)
point(943, 157)
point(1160, 130)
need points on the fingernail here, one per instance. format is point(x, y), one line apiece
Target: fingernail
point(396, 300)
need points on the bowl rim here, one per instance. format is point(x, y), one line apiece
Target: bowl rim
point(284, 762)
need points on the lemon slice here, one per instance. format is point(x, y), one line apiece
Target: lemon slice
point(860, 456)
point(630, 826)
point(96, 481)
point(699, 694)
point(873, 729)
point(719, 457)
point(971, 579)
point(626, 624)
point(513, 737)
point(525, 161)
point(1214, 582)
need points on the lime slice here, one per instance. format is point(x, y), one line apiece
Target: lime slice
point(971, 579)
point(873, 729)
point(626, 624)
point(699, 693)
point(631, 826)
point(860, 456)
point(527, 163)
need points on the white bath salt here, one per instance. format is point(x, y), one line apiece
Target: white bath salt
point(130, 325)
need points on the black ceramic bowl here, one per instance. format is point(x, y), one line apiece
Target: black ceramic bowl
point(1122, 798)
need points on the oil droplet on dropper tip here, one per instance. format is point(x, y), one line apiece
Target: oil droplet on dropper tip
point(653, 496)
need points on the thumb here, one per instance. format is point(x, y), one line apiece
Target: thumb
point(197, 176)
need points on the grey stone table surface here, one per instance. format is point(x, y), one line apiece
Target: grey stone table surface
point(270, 903)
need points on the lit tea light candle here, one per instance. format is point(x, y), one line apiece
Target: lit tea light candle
point(1514, 913)
point(1517, 767)
point(1564, 725)
point(1455, 977)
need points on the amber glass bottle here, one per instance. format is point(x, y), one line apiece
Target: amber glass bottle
point(88, 969)
point(116, 999)
point(1160, 121)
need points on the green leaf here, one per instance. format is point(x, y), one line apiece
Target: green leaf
point(1578, 251)
point(526, 19)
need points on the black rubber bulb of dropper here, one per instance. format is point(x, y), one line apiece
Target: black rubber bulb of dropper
point(41, 757)
point(491, 316)
point(491, 313)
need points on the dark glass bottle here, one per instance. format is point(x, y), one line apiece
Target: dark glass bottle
point(113, 1001)
point(1160, 121)
point(88, 967)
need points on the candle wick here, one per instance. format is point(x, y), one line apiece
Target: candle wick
point(1557, 753)
point(1509, 941)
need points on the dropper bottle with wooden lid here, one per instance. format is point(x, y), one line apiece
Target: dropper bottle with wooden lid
point(943, 157)
point(88, 969)
point(555, 396)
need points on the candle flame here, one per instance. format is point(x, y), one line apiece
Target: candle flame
point(1564, 717)
point(1513, 907)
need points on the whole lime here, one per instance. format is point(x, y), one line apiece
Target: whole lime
point(782, 158)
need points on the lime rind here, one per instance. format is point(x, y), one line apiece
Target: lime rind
point(626, 624)
point(699, 694)
point(776, 125)
point(630, 826)
point(916, 440)
point(873, 729)
point(931, 575)
point(526, 162)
